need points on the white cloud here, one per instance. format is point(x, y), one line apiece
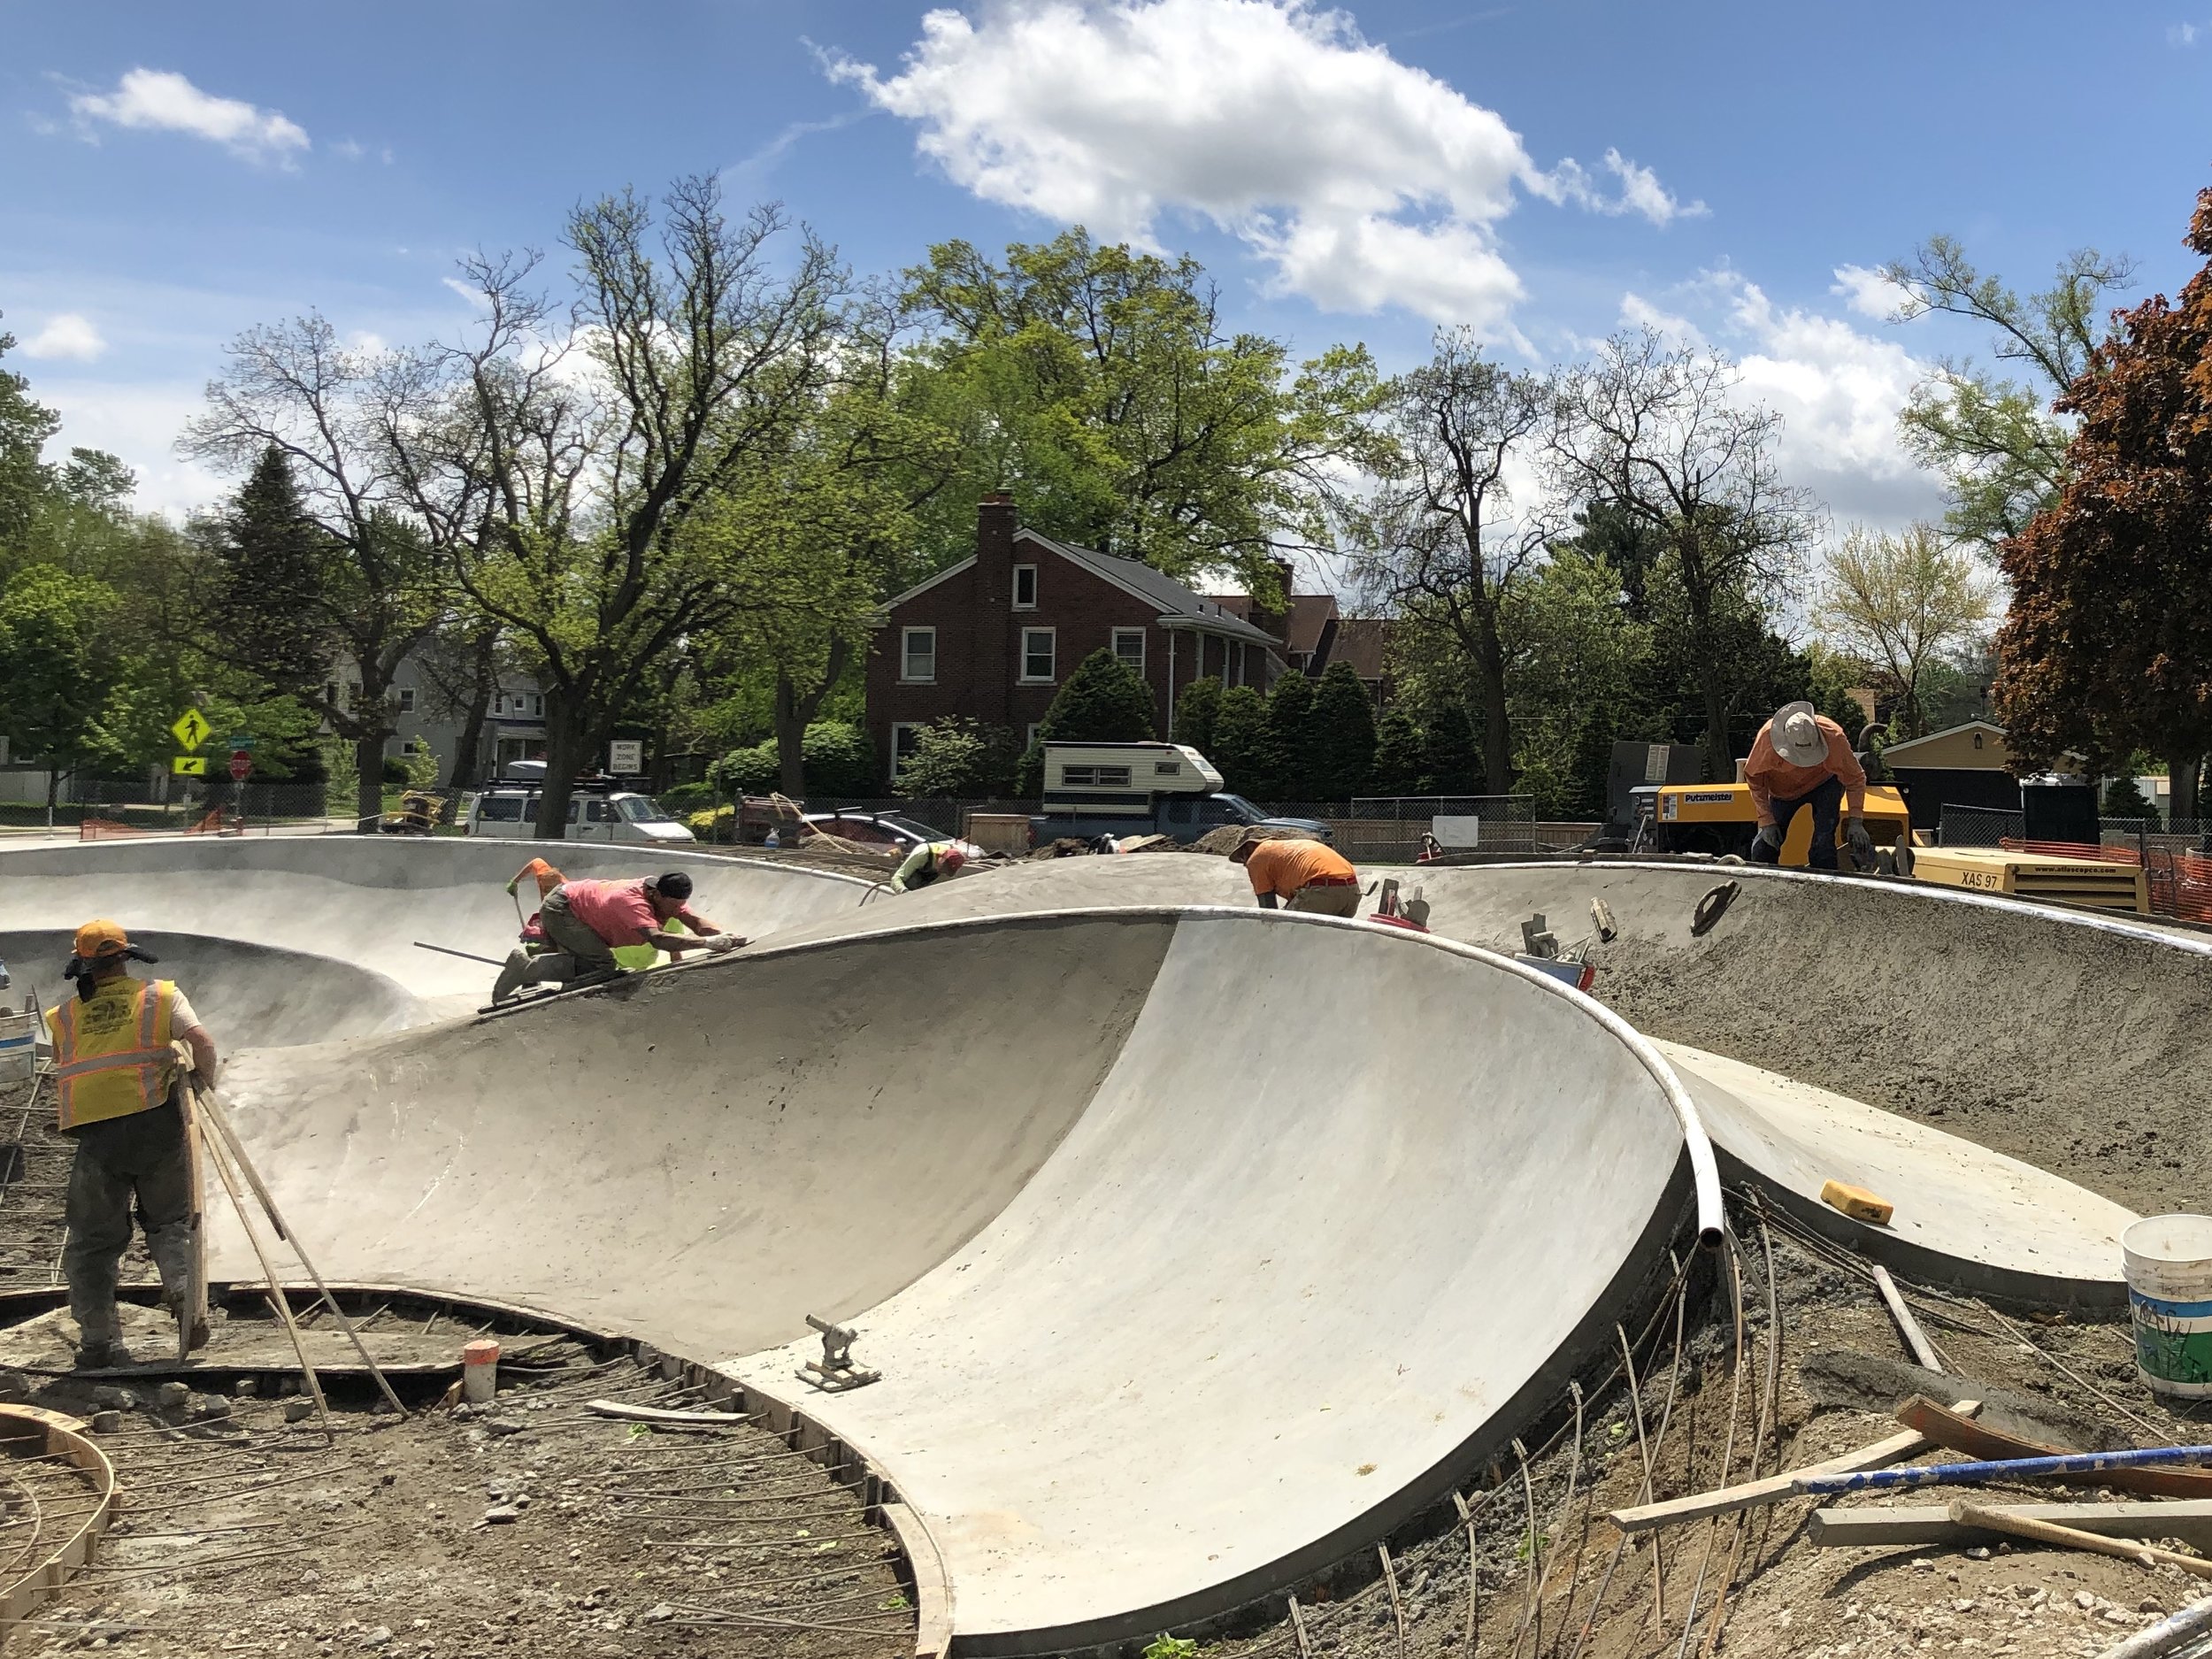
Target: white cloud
point(160, 100)
point(1640, 193)
point(2182, 34)
point(349, 149)
point(138, 421)
point(1868, 293)
point(1837, 389)
point(66, 335)
point(1363, 181)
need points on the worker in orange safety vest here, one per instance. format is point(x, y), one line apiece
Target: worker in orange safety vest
point(117, 1094)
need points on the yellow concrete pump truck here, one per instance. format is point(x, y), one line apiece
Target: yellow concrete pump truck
point(1720, 817)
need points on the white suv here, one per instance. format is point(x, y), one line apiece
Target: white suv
point(512, 811)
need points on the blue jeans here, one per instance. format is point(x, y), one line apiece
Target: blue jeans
point(1826, 800)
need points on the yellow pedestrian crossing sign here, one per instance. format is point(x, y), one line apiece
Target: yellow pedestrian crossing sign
point(188, 765)
point(192, 730)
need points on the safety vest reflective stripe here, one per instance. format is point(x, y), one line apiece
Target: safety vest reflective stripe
point(81, 1093)
point(107, 1062)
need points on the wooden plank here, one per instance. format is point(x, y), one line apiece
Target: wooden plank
point(2189, 1519)
point(1954, 1433)
point(1995, 1519)
point(1916, 1337)
point(1752, 1494)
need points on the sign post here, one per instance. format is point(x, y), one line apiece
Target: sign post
point(188, 765)
point(241, 764)
point(192, 729)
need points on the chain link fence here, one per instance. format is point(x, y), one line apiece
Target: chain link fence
point(98, 808)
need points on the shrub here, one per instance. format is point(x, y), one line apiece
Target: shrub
point(680, 798)
point(957, 757)
point(396, 770)
point(1401, 755)
point(1340, 745)
point(1290, 738)
point(1196, 708)
point(745, 771)
point(1104, 701)
point(1241, 742)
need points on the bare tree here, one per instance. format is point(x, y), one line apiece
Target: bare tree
point(1444, 546)
point(1898, 601)
point(1662, 434)
point(294, 388)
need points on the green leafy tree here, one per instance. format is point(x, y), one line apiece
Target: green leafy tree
point(957, 757)
point(1451, 758)
point(1575, 680)
point(1242, 750)
point(59, 665)
point(1994, 437)
point(25, 477)
point(1099, 386)
point(1197, 706)
point(1290, 738)
point(2123, 799)
point(1342, 751)
point(2108, 646)
point(1400, 762)
point(1899, 602)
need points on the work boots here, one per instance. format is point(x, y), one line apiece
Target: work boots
point(175, 1258)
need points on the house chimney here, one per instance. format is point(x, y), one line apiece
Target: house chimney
point(991, 609)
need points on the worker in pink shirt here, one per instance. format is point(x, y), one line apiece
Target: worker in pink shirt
point(586, 922)
point(1801, 759)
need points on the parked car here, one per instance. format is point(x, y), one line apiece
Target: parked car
point(1121, 790)
point(511, 809)
point(891, 832)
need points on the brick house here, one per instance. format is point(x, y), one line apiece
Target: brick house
point(993, 637)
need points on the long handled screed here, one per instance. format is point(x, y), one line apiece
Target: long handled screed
point(465, 956)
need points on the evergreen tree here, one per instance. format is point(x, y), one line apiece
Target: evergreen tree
point(1401, 755)
point(1290, 737)
point(273, 563)
point(1241, 751)
point(1104, 701)
point(1451, 759)
point(2123, 799)
point(1196, 708)
point(1342, 750)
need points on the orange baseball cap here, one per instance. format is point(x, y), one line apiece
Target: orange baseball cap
point(102, 938)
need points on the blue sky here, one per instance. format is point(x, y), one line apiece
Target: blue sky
point(174, 175)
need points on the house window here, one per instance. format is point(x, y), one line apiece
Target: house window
point(1035, 727)
point(917, 660)
point(1037, 656)
point(406, 699)
point(536, 701)
point(905, 739)
point(409, 748)
point(1024, 587)
point(1129, 647)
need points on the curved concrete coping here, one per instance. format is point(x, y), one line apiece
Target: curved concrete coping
point(247, 995)
point(1965, 1216)
point(1347, 1212)
point(367, 899)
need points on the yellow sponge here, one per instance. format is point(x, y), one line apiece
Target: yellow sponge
point(1858, 1203)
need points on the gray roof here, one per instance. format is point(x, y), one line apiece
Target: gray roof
point(1172, 597)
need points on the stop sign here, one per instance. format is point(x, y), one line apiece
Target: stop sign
point(241, 764)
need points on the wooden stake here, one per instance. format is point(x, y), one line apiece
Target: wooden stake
point(276, 1292)
point(221, 1120)
point(2073, 1537)
point(1916, 1337)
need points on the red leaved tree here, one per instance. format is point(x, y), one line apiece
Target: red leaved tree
point(2108, 646)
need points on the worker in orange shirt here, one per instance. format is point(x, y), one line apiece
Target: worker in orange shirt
point(1310, 875)
point(1801, 759)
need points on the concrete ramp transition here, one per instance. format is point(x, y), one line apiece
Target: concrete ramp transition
point(366, 900)
point(1196, 1248)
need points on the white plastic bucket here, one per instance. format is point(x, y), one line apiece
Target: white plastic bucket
point(2168, 1260)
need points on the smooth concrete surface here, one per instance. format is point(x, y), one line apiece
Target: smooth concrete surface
point(248, 995)
point(366, 900)
point(2068, 1041)
point(1965, 1215)
point(1347, 1210)
point(703, 1156)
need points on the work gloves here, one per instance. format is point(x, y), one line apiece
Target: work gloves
point(1860, 843)
point(1770, 837)
point(722, 944)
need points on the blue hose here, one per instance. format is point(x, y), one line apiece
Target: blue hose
point(2008, 1469)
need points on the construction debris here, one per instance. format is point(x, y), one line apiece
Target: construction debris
point(2189, 1520)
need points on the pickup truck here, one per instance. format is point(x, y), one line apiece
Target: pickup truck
point(1119, 789)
